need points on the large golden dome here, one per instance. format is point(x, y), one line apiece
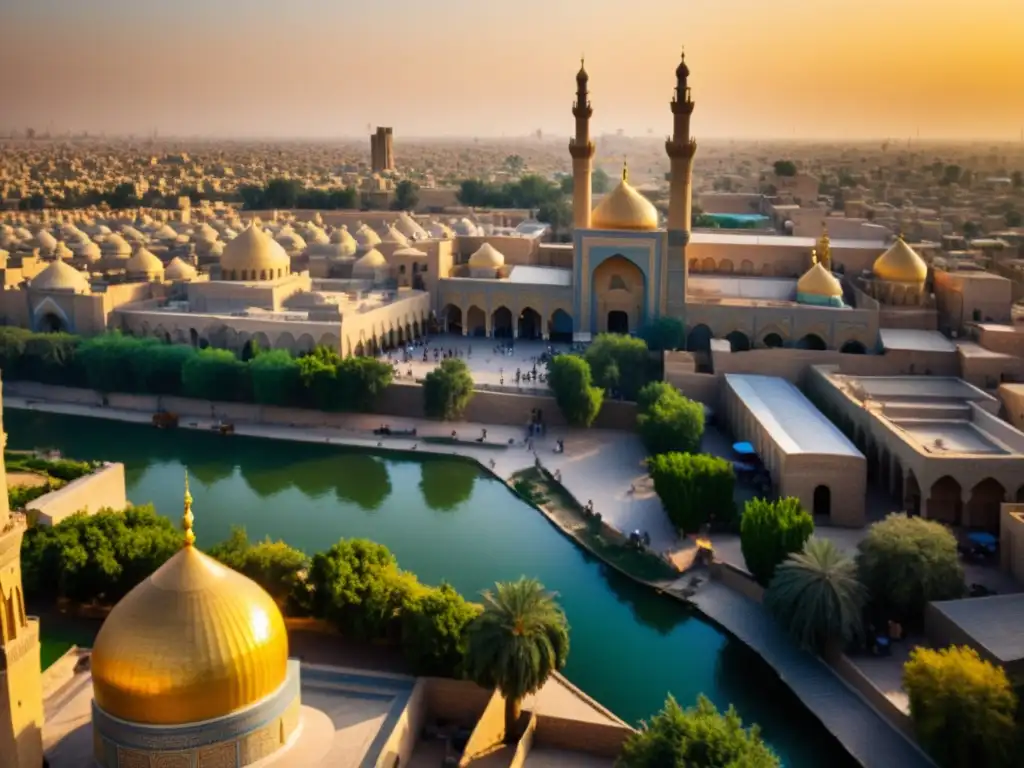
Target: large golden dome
point(254, 251)
point(193, 642)
point(818, 281)
point(625, 208)
point(900, 264)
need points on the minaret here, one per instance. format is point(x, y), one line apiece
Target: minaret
point(21, 690)
point(681, 149)
point(582, 150)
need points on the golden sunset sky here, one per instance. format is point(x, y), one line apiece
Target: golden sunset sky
point(328, 68)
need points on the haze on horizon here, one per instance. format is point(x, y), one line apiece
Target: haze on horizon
point(940, 69)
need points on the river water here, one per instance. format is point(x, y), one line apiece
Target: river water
point(445, 519)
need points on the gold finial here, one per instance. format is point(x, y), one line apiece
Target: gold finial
point(187, 519)
point(625, 170)
point(814, 256)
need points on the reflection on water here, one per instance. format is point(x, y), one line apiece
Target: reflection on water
point(445, 521)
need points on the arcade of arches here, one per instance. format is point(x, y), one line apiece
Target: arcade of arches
point(508, 322)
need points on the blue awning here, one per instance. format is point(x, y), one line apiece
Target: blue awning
point(744, 449)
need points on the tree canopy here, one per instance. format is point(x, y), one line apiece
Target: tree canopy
point(667, 420)
point(577, 397)
point(291, 193)
point(619, 363)
point(406, 195)
point(784, 168)
point(695, 489)
point(666, 333)
point(770, 531)
point(447, 390)
point(530, 191)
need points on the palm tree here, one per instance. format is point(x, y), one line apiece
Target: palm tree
point(815, 595)
point(514, 645)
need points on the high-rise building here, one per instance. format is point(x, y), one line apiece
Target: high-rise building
point(382, 154)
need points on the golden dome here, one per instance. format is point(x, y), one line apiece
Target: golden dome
point(818, 281)
point(193, 642)
point(900, 264)
point(177, 269)
point(60, 276)
point(369, 262)
point(486, 257)
point(254, 249)
point(625, 208)
point(144, 262)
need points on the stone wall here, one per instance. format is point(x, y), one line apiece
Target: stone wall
point(592, 738)
point(398, 749)
point(103, 488)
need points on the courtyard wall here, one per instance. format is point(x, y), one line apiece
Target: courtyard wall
point(104, 488)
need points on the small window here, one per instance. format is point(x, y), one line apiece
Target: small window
point(401, 269)
point(616, 283)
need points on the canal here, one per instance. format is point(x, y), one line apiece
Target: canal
point(445, 519)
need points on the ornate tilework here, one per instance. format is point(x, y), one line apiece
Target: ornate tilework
point(178, 760)
point(258, 745)
point(130, 758)
point(218, 756)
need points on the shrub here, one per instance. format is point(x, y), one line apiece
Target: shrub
point(665, 333)
point(216, 374)
point(434, 622)
point(619, 363)
point(963, 708)
point(275, 378)
point(905, 563)
point(699, 737)
point(694, 489)
point(447, 390)
point(578, 399)
point(273, 565)
point(668, 421)
point(770, 531)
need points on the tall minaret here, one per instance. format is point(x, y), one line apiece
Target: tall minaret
point(21, 690)
point(681, 149)
point(582, 150)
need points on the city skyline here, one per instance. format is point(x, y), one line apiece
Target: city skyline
point(935, 70)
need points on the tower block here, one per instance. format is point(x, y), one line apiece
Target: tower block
point(581, 148)
point(680, 149)
point(21, 692)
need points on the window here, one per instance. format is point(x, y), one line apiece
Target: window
point(616, 283)
point(401, 269)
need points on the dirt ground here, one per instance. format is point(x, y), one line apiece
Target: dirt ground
point(25, 479)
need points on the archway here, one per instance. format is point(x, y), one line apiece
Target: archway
point(618, 322)
point(501, 323)
point(773, 341)
point(193, 337)
point(738, 341)
point(452, 319)
point(560, 326)
point(618, 285)
point(983, 508)
point(698, 339)
point(51, 323)
point(853, 347)
point(529, 324)
point(945, 503)
point(249, 351)
point(812, 341)
point(476, 322)
point(822, 501)
point(911, 494)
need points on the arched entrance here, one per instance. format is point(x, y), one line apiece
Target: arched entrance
point(911, 495)
point(738, 341)
point(51, 323)
point(945, 503)
point(529, 324)
point(812, 341)
point(773, 341)
point(618, 286)
point(501, 323)
point(248, 351)
point(560, 326)
point(476, 322)
point(982, 510)
point(853, 348)
point(822, 501)
point(452, 319)
point(698, 339)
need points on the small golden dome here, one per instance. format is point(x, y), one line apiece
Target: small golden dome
point(178, 269)
point(818, 281)
point(254, 249)
point(486, 257)
point(372, 259)
point(144, 262)
point(900, 264)
point(60, 276)
point(625, 208)
point(193, 642)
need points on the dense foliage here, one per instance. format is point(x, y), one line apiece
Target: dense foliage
point(963, 708)
point(519, 640)
point(905, 563)
point(815, 595)
point(292, 193)
point(577, 397)
point(695, 489)
point(528, 192)
point(447, 390)
point(667, 420)
point(698, 737)
point(664, 334)
point(272, 564)
point(770, 531)
point(116, 363)
point(619, 363)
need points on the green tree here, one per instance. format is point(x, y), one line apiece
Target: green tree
point(274, 565)
point(216, 374)
point(784, 168)
point(664, 334)
point(600, 181)
point(623, 355)
point(516, 643)
point(963, 708)
point(815, 595)
point(515, 164)
point(556, 212)
point(907, 562)
point(282, 193)
point(699, 737)
point(361, 381)
point(447, 390)
point(434, 623)
point(578, 399)
point(276, 378)
point(770, 531)
point(406, 195)
point(668, 421)
point(694, 489)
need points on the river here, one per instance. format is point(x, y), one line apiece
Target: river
point(445, 519)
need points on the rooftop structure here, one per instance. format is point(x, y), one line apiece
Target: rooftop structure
point(994, 626)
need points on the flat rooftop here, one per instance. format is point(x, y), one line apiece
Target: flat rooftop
point(915, 388)
point(528, 275)
point(908, 340)
point(949, 436)
point(729, 238)
point(994, 623)
point(789, 417)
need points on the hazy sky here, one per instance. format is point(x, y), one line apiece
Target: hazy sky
point(327, 68)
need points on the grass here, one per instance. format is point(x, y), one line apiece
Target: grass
point(601, 539)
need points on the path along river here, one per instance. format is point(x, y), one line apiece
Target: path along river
point(445, 519)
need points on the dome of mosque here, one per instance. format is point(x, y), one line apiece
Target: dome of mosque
point(316, 236)
point(62, 251)
point(466, 228)
point(409, 227)
point(900, 264)
point(177, 269)
point(818, 281)
point(131, 233)
point(290, 240)
point(392, 235)
point(205, 232)
point(45, 241)
point(60, 276)
point(116, 245)
point(166, 232)
point(366, 237)
point(625, 208)
point(369, 261)
point(193, 642)
point(89, 251)
point(440, 231)
point(143, 262)
point(486, 257)
point(254, 249)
